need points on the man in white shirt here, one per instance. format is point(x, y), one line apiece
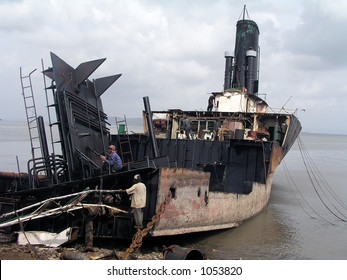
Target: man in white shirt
point(138, 200)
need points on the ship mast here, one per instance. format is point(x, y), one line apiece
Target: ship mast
point(244, 12)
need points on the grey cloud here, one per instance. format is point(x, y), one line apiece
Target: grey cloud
point(173, 51)
point(321, 34)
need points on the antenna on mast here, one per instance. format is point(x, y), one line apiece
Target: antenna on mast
point(282, 108)
point(244, 12)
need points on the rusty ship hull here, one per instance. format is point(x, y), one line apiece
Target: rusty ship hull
point(191, 211)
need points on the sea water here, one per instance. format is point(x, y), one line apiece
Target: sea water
point(306, 217)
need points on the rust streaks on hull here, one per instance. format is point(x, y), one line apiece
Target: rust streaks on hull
point(194, 208)
point(276, 157)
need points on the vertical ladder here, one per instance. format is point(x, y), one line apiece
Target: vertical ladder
point(124, 141)
point(50, 103)
point(59, 165)
point(30, 110)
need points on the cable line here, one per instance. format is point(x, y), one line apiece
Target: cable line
point(313, 178)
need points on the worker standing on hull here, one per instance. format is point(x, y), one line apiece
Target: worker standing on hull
point(138, 200)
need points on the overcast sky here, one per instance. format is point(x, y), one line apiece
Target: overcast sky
point(173, 52)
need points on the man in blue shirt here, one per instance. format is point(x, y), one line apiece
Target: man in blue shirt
point(112, 162)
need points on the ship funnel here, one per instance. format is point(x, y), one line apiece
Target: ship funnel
point(246, 53)
point(228, 70)
point(251, 72)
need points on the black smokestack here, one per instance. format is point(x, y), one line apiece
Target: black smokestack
point(247, 37)
point(251, 72)
point(228, 70)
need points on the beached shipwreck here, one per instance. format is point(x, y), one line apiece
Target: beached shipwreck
point(204, 170)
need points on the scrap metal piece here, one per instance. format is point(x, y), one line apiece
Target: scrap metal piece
point(85, 69)
point(80, 112)
point(175, 252)
point(49, 239)
point(102, 84)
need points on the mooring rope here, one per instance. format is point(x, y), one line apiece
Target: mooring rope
point(291, 183)
point(313, 178)
point(319, 184)
point(324, 182)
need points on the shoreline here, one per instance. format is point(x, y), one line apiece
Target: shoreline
point(11, 250)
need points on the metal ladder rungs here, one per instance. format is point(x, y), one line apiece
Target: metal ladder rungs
point(30, 108)
point(125, 143)
point(55, 123)
point(31, 119)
